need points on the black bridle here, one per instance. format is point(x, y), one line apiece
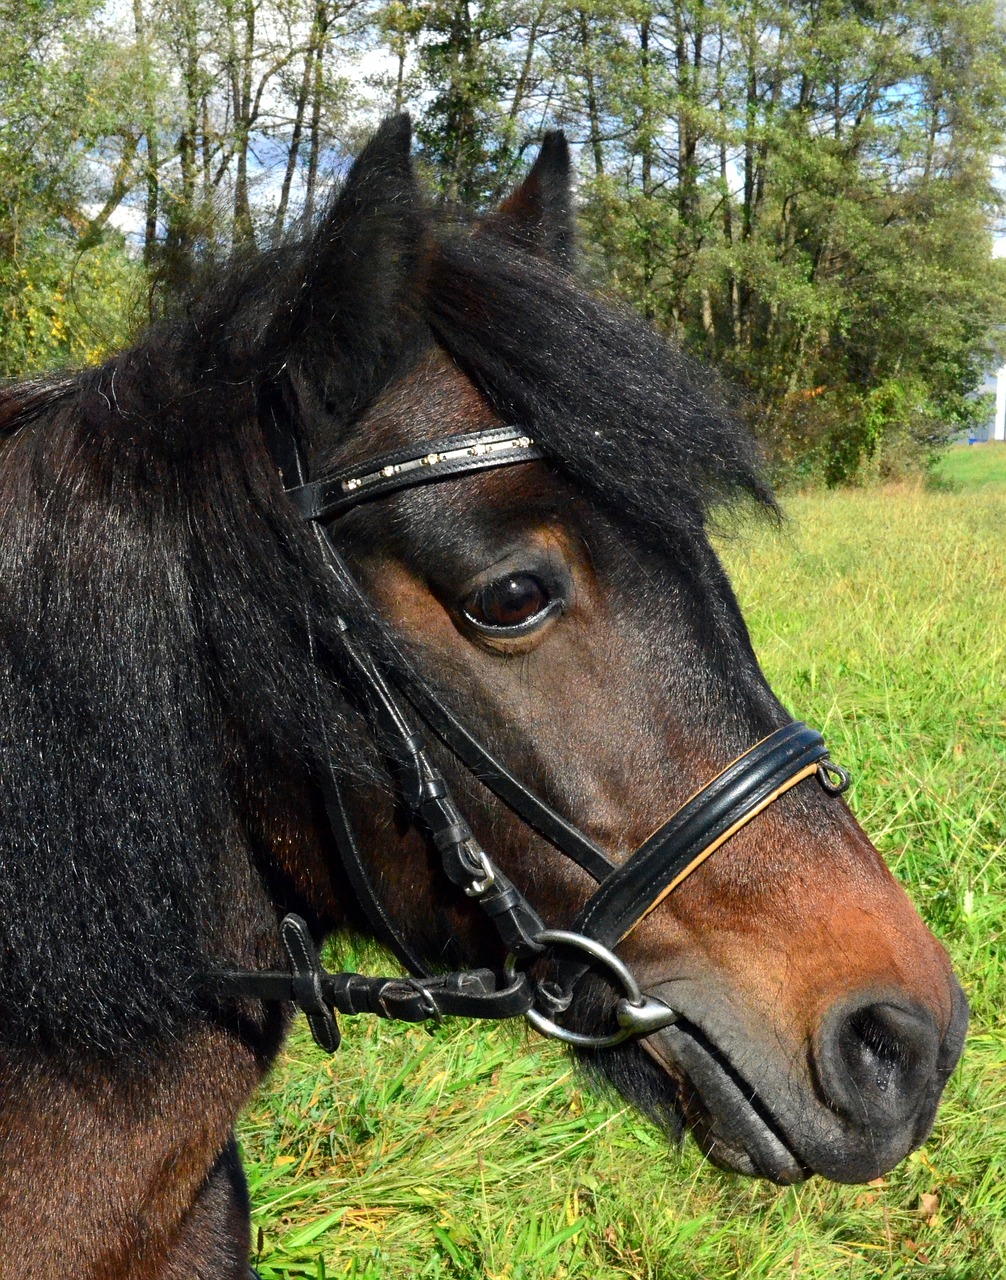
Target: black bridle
point(396, 701)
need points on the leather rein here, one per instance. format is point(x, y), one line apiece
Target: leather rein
point(401, 709)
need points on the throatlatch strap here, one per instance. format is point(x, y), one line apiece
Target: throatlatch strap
point(356, 872)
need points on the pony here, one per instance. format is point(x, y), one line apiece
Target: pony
point(183, 738)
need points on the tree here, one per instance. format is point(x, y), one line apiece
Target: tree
point(798, 189)
point(474, 63)
point(64, 291)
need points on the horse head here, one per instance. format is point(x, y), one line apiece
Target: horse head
point(215, 697)
point(572, 608)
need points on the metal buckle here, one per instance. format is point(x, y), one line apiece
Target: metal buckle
point(429, 1005)
point(636, 1013)
point(478, 888)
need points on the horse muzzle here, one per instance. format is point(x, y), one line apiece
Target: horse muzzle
point(849, 1104)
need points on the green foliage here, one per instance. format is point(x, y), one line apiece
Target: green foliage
point(466, 73)
point(880, 615)
point(803, 194)
point(60, 87)
point(800, 193)
point(60, 308)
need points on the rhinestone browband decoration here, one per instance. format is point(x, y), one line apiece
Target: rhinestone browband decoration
point(352, 484)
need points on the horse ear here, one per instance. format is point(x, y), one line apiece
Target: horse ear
point(380, 182)
point(538, 216)
point(355, 298)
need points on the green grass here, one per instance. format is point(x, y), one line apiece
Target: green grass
point(470, 1151)
point(975, 466)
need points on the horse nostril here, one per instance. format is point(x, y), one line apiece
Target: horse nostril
point(876, 1060)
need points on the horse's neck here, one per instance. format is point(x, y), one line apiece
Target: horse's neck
point(108, 1177)
point(119, 1169)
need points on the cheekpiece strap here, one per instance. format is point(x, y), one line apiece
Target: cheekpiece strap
point(439, 460)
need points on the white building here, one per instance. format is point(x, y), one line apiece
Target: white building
point(997, 382)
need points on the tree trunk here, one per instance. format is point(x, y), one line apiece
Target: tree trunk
point(180, 245)
point(460, 123)
point(525, 70)
point(121, 183)
point(593, 112)
point(241, 75)
point(296, 136)
point(645, 110)
point(149, 125)
point(317, 85)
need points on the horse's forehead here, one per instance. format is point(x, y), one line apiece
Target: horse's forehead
point(434, 399)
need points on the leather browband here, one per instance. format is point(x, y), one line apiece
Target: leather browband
point(388, 472)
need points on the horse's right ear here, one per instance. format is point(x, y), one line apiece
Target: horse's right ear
point(356, 292)
point(538, 216)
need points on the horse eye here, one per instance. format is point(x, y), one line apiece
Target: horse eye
point(508, 603)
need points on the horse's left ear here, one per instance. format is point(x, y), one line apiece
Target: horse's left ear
point(538, 216)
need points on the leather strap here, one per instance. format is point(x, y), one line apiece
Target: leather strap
point(561, 833)
point(557, 830)
point(705, 822)
point(355, 866)
point(305, 982)
point(430, 801)
point(319, 994)
point(388, 472)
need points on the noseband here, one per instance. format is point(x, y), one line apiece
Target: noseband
point(396, 701)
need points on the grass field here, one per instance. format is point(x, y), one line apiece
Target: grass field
point(973, 467)
point(473, 1152)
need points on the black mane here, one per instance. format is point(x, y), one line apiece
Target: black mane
point(156, 591)
point(640, 425)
